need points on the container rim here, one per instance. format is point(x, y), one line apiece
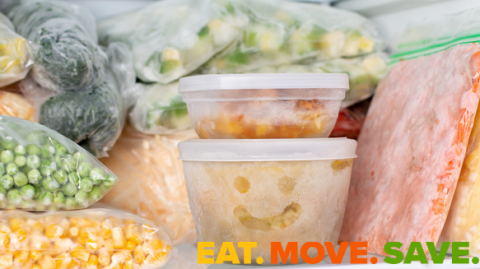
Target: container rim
point(264, 81)
point(248, 150)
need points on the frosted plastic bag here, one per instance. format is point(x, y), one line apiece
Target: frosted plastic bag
point(185, 256)
point(282, 32)
point(364, 73)
point(15, 54)
point(15, 105)
point(160, 110)
point(172, 38)
point(93, 117)
point(42, 170)
point(67, 57)
point(152, 183)
point(90, 238)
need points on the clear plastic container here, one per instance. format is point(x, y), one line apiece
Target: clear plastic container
point(270, 190)
point(253, 106)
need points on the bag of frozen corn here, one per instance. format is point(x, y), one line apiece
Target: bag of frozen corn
point(15, 54)
point(152, 183)
point(282, 32)
point(43, 170)
point(15, 105)
point(160, 110)
point(90, 238)
point(172, 38)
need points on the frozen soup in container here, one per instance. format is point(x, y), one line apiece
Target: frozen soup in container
point(267, 190)
point(253, 106)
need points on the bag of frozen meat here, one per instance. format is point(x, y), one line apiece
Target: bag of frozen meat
point(172, 38)
point(89, 238)
point(15, 54)
point(42, 170)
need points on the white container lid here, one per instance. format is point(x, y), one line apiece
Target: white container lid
point(246, 150)
point(264, 81)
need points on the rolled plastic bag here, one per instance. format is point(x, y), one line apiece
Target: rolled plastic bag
point(42, 170)
point(160, 110)
point(15, 54)
point(90, 238)
point(152, 183)
point(282, 32)
point(172, 38)
point(64, 38)
point(15, 105)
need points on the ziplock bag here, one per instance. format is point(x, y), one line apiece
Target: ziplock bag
point(282, 32)
point(15, 54)
point(42, 170)
point(67, 57)
point(160, 110)
point(152, 183)
point(90, 238)
point(172, 38)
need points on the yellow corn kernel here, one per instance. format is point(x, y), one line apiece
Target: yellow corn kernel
point(4, 227)
point(106, 228)
point(38, 227)
point(130, 245)
point(93, 260)
point(22, 235)
point(6, 260)
point(121, 257)
point(128, 222)
point(156, 244)
point(47, 262)
point(74, 222)
point(54, 231)
point(20, 256)
point(36, 266)
point(28, 264)
point(73, 231)
point(35, 254)
point(104, 257)
point(128, 265)
point(80, 253)
point(62, 261)
point(16, 224)
point(62, 245)
point(114, 222)
point(74, 264)
point(139, 255)
point(133, 234)
point(108, 245)
point(4, 239)
point(92, 245)
point(118, 238)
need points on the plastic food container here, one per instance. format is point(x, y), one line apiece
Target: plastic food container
point(270, 190)
point(252, 106)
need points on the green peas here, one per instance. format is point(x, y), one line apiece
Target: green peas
point(97, 175)
point(70, 189)
point(70, 203)
point(9, 143)
point(20, 150)
point(14, 197)
point(20, 161)
point(50, 184)
point(6, 182)
point(81, 197)
point(104, 188)
point(110, 181)
point(6, 156)
point(48, 150)
point(95, 194)
point(2, 169)
point(3, 194)
point(73, 178)
point(68, 164)
point(27, 192)
point(33, 161)
point(46, 198)
point(60, 149)
point(60, 176)
point(12, 169)
point(39, 191)
point(20, 179)
point(78, 157)
point(84, 169)
point(47, 168)
point(34, 176)
point(59, 198)
point(86, 184)
point(33, 149)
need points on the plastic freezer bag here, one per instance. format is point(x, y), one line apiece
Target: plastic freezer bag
point(15, 105)
point(282, 32)
point(411, 149)
point(160, 110)
point(172, 38)
point(90, 238)
point(67, 57)
point(15, 54)
point(42, 170)
point(152, 183)
point(364, 74)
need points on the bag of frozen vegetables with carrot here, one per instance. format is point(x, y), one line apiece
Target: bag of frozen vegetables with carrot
point(43, 170)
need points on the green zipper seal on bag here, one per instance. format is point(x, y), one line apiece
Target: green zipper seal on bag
point(397, 57)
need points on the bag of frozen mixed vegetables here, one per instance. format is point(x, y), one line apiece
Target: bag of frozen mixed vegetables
point(160, 110)
point(172, 38)
point(64, 39)
point(90, 238)
point(43, 170)
point(15, 54)
point(282, 32)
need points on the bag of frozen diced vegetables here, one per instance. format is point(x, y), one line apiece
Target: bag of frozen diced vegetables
point(160, 110)
point(172, 38)
point(67, 57)
point(15, 54)
point(90, 238)
point(151, 181)
point(42, 170)
point(282, 32)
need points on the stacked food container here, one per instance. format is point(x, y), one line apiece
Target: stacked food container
point(264, 170)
